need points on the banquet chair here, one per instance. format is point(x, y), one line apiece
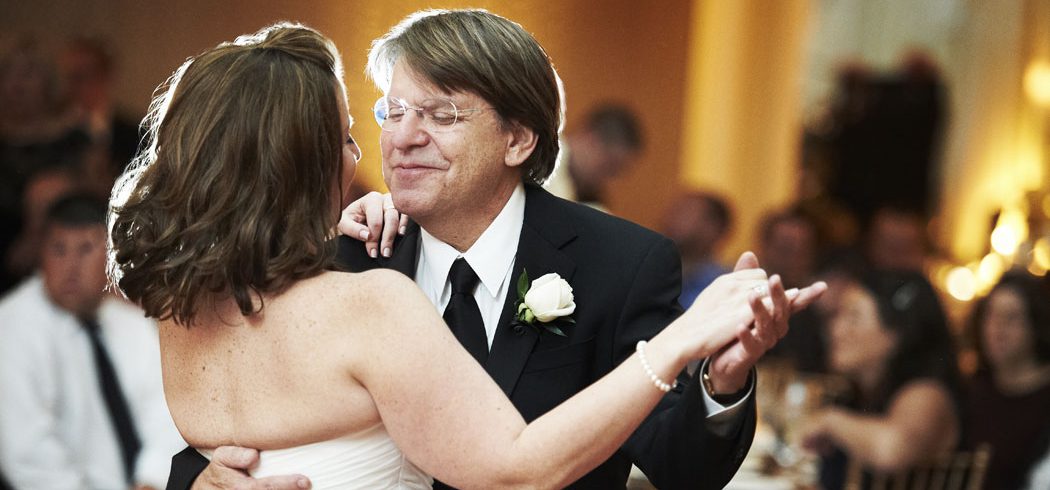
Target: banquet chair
point(960, 470)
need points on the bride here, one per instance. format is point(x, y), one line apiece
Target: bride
point(222, 229)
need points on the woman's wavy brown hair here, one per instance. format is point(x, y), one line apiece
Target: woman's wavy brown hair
point(235, 191)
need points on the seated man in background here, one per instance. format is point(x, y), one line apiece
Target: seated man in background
point(591, 157)
point(698, 223)
point(896, 240)
point(82, 402)
point(42, 190)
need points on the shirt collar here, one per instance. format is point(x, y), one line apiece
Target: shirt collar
point(492, 254)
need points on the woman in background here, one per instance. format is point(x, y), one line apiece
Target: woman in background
point(1008, 402)
point(888, 336)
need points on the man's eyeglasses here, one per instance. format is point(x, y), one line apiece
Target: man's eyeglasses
point(437, 115)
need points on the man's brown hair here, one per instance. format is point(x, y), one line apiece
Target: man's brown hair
point(483, 53)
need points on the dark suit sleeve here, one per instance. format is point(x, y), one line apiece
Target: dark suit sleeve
point(186, 466)
point(674, 447)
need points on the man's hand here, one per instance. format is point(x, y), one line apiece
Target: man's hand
point(229, 469)
point(729, 368)
point(373, 220)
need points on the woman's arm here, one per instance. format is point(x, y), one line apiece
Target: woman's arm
point(920, 423)
point(454, 422)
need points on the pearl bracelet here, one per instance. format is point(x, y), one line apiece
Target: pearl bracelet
point(659, 383)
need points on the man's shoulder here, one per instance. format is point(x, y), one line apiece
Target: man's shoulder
point(29, 324)
point(591, 224)
point(26, 302)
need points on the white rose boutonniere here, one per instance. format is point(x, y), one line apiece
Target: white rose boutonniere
point(548, 300)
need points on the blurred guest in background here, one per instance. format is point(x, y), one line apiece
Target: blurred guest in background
point(890, 339)
point(1009, 398)
point(698, 222)
point(83, 405)
point(33, 135)
point(896, 240)
point(788, 246)
point(42, 190)
point(601, 150)
point(88, 70)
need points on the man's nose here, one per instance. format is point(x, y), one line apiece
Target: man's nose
point(410, 132)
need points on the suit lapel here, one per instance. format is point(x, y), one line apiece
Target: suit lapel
point(543, 233)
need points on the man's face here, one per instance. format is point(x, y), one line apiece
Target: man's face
point(73, 262)
point(447, 175)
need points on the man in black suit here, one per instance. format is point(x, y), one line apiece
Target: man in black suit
point(470, 116)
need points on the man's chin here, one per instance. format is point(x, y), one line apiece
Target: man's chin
point(411, 203)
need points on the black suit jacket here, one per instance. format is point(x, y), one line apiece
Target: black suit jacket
point(626, 280)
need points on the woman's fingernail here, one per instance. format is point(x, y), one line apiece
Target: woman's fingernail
point(372, 253)
point(363, 234)
point(386, 252)
point(302, 483)
point(403, 230)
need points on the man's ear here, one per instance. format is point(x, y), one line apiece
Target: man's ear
point(521, 142)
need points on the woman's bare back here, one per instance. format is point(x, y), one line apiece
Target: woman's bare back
point(276, 379)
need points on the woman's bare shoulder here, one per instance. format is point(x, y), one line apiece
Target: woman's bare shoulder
point(379, 294)
point(350, 285)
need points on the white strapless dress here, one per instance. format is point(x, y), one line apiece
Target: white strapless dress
point(363, 460)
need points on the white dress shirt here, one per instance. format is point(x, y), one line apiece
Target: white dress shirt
point(492, 258)
point(55, 431)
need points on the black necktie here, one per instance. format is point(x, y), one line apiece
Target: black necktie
point(462, 314)
point(116, 404)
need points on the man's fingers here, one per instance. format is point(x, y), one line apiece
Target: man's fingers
point(747, 260)
point(283, 482)
point(229, 469)
point(781, 306)
point(808, 295)
point(751, 348)
point(759, 309)
point(763, 331)
point(240, 458)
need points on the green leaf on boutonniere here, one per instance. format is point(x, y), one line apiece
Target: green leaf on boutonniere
point(553, 329)
point(523, 284)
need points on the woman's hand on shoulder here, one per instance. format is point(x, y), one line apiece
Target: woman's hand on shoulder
point(374, 220)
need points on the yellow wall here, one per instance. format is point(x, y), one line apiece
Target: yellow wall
point(743, 109)
point(996, 151)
